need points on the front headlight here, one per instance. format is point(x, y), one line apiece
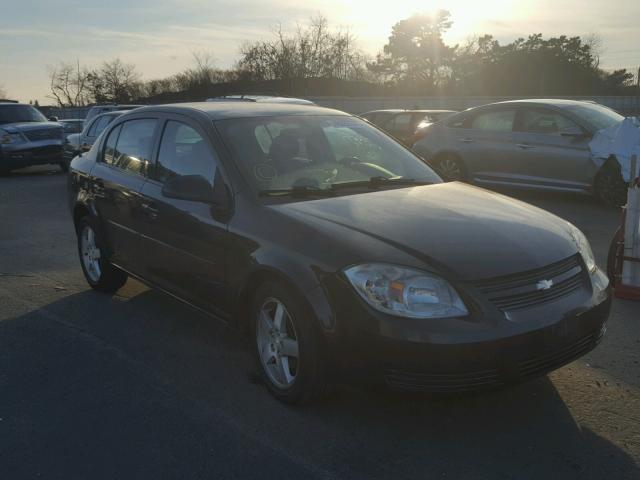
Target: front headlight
point(6, 137)
point(406, 292)
point(584, 247)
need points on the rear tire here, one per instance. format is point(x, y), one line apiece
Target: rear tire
point(616, 249)
point(286, 345)
point(450, 168)
point(609, 185)
point(100, 274)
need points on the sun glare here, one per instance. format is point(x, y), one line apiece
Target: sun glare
point(469, 16)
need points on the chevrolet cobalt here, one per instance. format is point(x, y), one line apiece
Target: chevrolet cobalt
point(338, 251)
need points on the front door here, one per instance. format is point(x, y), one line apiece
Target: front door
point(549, 152)
point(183, 241)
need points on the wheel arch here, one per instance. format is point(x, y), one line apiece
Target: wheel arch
point(314, 298)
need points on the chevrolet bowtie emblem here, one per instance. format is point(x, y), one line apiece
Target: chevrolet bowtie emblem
point(544, 284)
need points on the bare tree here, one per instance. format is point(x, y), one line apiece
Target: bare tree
point(115, 81)
point(312, 51)
point(68, 84)
point(3, 92)
point(596, 45)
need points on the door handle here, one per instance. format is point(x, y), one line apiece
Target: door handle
point(150, 211)
point(524, 146)
point(466, 140)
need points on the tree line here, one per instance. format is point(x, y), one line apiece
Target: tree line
point(415, 61)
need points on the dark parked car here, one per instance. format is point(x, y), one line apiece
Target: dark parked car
point(82, 142)
point(27, 138)
point(537, 144)
point(104, 108)
point(405, 124)
point(338, 250)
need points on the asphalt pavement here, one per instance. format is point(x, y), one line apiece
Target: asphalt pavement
point(140, 386)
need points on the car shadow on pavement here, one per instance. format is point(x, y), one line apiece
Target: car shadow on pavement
point(102, 385)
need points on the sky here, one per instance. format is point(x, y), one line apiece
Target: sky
point(159, 36)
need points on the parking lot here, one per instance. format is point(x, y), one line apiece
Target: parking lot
point(139, 385)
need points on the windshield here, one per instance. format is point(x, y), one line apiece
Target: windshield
point(20, 113)
point(596, 115)
point(318, 152)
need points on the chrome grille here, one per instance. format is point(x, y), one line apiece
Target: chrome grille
point(527, 289)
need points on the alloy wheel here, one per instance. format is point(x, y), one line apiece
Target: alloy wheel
point(90, 253)
point(450, 168)
point(277, 343)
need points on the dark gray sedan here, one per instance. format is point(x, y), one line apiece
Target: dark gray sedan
point(541, 144)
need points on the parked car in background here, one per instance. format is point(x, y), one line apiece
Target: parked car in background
point(403, 124)
point(338, 250)
point(27, 138)
point(71, 125)
point(104, 108)
point(538, 144)
point(261, 99)
point(81, 142)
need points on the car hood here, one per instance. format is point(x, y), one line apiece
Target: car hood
point(465, 231)
point(28, 126)
point(73, 140)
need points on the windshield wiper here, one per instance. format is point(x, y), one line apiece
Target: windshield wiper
point(375, 182)
point(297, 191)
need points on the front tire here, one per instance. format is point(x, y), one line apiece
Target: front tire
point(610, 187)
point(287, 345)
point(100, 274)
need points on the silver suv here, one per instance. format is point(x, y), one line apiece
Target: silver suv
point(540, 144)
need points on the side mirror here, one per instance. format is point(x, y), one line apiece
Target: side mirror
point(196, 188)
point(53, 119)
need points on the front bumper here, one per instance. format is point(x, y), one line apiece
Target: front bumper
point(28, 154)
point(485, 350)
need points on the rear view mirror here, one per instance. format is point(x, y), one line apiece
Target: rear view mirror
point(53, 119)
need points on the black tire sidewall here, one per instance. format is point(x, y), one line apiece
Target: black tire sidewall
point(611, 175)
point(310, 378)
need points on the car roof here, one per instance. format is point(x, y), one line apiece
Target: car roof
point(409, 110)
point(554, 102)
point(234, 109)
point(261, 99)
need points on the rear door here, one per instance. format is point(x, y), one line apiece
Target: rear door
point(485, 141)
point(183, 241)
point(548, 150)
point(120, 172)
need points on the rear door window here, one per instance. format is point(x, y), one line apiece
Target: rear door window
point(494, 121)
point(545, 121)
point(132, 152)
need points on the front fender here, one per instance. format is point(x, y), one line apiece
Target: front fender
point(295, 271)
